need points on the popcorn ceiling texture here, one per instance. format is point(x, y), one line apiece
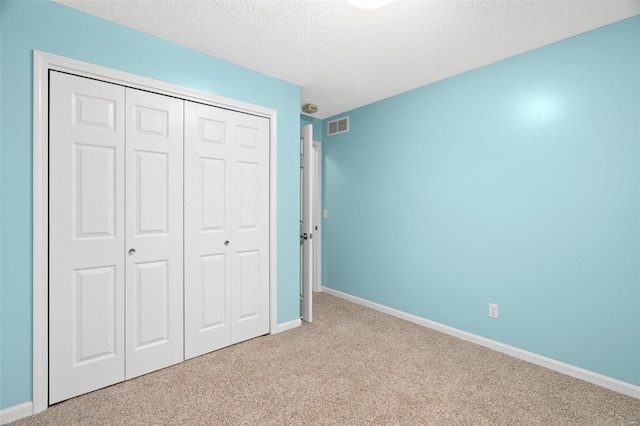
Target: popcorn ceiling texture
point(343, 57)
point(351, 366)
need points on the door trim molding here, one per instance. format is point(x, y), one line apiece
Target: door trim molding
point(317, 213)
point(42, 63)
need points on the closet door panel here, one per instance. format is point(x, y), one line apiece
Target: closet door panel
point(154, 243)
point(250, 227)
point(227, 228)
point(86, 235)
point(207, 229)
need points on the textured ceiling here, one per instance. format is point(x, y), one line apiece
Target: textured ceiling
point(343, 57)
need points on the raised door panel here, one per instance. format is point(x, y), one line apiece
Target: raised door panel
point(248, 284)
point(248, 197)
point(151, 300)
point(154, 195)
point(94, 314)
point(213, 194)
point(207, 229)
point(213, 310)
point(152, 201)
point(87, 236)
point(94, 192)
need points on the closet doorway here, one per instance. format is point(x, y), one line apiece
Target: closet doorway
point(126, 247)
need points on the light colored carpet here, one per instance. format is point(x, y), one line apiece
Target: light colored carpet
point(351, 366)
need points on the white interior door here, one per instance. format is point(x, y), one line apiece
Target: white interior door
point(87, 235)
point(154, 243)
point(226, 228)
point(306, 221)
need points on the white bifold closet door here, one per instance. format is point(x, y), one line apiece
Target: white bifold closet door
point(154, 229)
point(226, 227)
point(86, 235)
point(115, 234)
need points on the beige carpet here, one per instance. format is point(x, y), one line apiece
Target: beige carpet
point(351, 366)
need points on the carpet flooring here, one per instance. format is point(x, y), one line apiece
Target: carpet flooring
point(351, 366)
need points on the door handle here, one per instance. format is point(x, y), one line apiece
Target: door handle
point(226, 243)
point(132, 252)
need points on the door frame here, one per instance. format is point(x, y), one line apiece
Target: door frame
point(317, 217)
point(42, 63)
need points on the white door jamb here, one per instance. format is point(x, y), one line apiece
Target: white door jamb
point(317, 218)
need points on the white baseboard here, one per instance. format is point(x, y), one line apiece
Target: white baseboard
point(552, 364)
point(16, 412)
point(287, 326)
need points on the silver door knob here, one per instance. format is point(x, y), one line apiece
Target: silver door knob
point(132, 252)
point(226, 243)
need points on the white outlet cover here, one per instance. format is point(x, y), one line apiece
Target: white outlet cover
point(493, 310)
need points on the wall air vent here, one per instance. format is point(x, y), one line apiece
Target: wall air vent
point(341, 125)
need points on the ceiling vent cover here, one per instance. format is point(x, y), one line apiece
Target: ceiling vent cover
point(341, 125)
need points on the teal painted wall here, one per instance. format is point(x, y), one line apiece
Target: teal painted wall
point(517, 183)
point(56, 29)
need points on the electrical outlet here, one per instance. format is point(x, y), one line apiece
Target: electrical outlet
point(324, 214)
point(493, 310)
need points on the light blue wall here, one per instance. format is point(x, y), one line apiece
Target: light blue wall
point(518, 184)
point(56, 29)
